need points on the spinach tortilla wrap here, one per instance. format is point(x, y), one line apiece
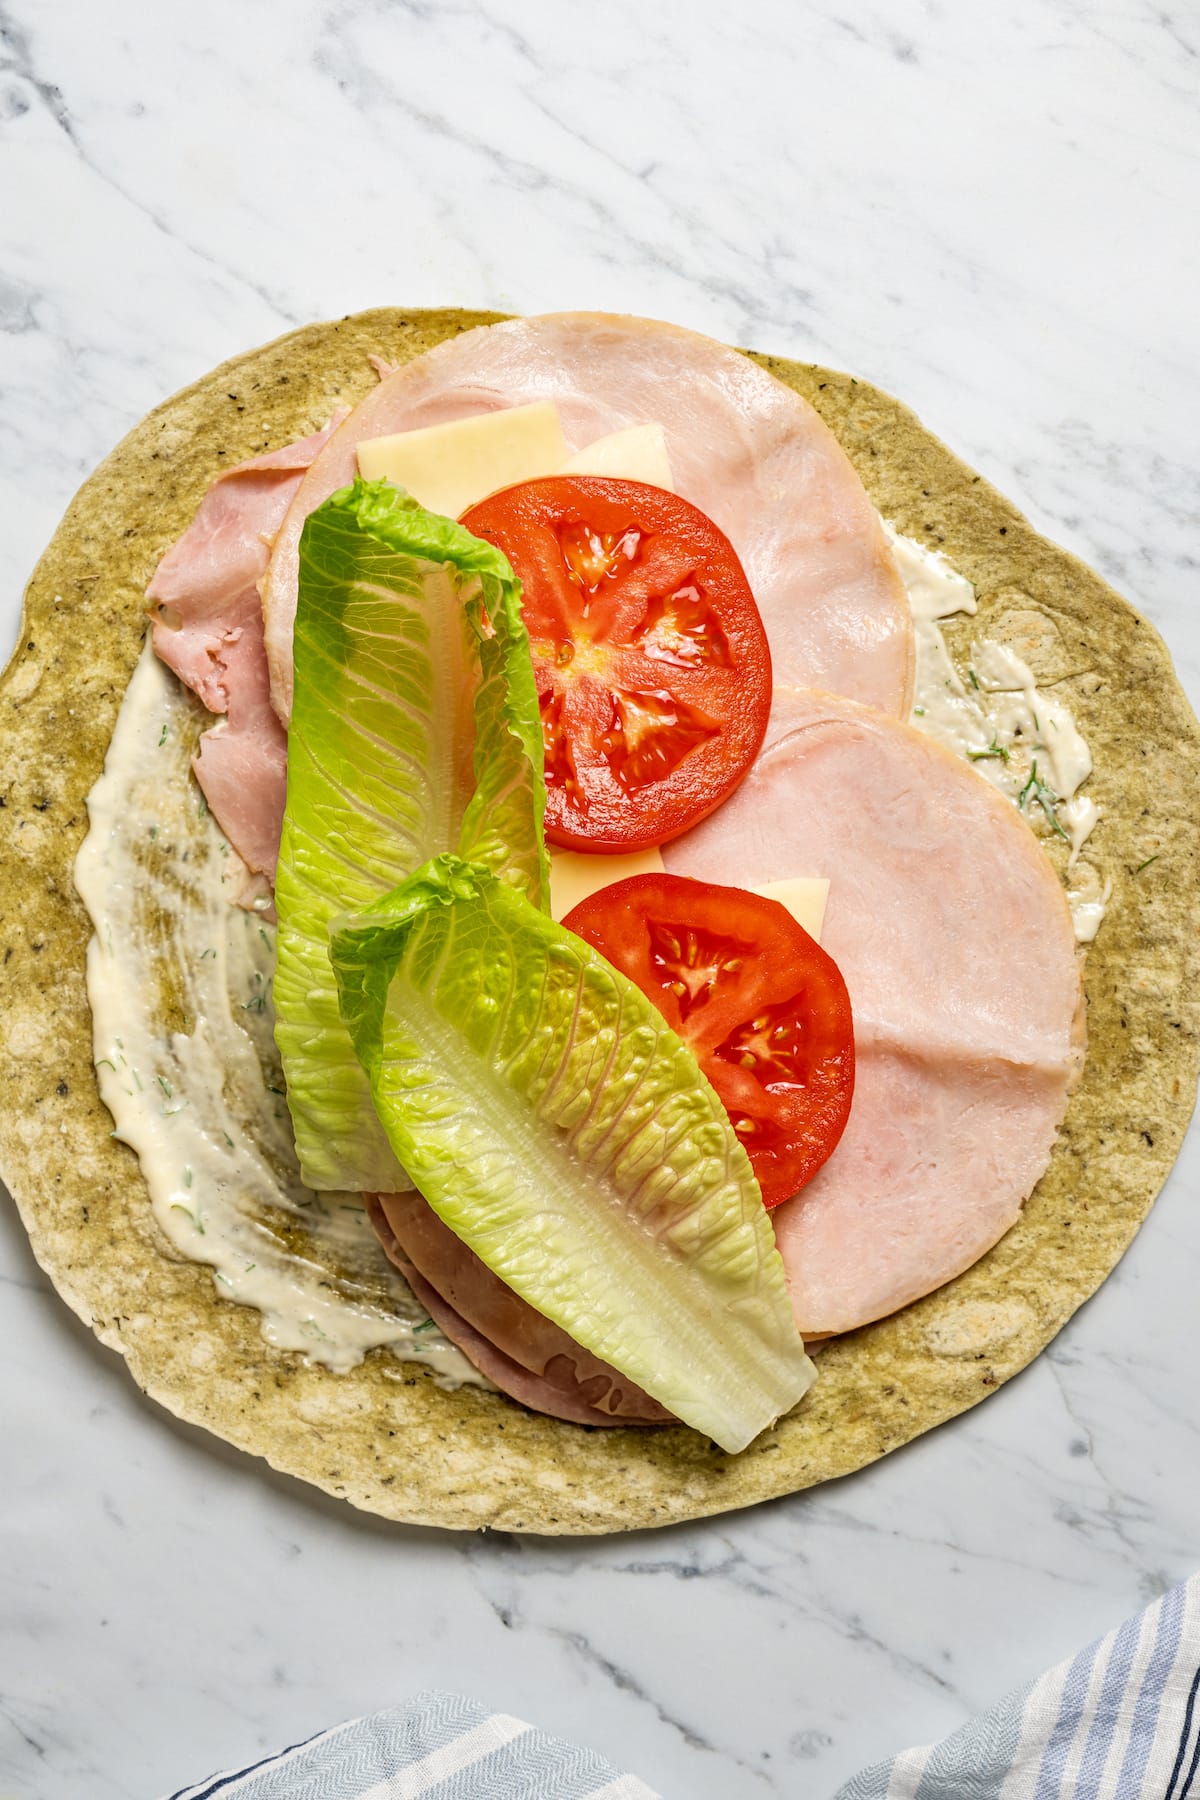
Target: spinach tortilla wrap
point(390, 1435)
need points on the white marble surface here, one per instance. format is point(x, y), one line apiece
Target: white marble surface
point(991, 211)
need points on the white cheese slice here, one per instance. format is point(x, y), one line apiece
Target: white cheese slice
point(449, 467)
point(574, 875)
point(637, 454)
point(804, 896)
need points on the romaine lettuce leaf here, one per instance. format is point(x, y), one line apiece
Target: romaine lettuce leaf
point(414, 730)
point(558, 1126)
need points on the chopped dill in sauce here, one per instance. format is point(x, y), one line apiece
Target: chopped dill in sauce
point(988, 709)
point(1038, 793)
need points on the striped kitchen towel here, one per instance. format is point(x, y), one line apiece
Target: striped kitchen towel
point(436, 1747)
point(1120, 1721)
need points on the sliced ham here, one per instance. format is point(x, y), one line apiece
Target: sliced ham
point(525, 1354)
point(208, 628)
point(743, 447)
point(944, 915)
point(953, 935)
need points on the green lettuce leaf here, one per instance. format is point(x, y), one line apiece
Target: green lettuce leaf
point(414, 730)
point(558, 1126)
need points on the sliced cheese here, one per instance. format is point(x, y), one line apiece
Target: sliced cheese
point(574, 875)
point(804, 896)
point(449, 467)
point(637, 454)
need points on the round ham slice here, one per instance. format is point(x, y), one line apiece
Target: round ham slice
point(526, 1355)
point(955, 941)
point(743, 447)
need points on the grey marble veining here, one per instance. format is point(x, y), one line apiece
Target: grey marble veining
point(990, 212)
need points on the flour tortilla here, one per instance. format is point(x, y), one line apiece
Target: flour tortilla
point(384, 1437)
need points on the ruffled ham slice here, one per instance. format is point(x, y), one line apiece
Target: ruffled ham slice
point(526, 1355)
point(208, 628)
point(743, 447)
point(955, 941)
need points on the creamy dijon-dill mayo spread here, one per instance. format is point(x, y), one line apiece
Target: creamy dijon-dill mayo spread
point(179, 979)
point(1024, 741)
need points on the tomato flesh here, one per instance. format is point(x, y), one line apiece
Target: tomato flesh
point(652, 666)
point(762, 1007)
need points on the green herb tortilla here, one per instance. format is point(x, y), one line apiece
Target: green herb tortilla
point(385, 1437)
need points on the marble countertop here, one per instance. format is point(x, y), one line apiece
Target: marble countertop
point(990, 212)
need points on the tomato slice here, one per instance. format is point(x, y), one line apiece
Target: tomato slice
point(652, 666)
point(762, 1007)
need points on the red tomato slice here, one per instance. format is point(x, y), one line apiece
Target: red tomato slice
point(652, 666)
point(762, 1007)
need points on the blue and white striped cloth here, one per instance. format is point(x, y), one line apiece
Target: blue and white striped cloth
point(1120, 1721)
point(437, 1747)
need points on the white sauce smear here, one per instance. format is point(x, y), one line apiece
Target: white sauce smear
point(1025, 742)
point(179, 981)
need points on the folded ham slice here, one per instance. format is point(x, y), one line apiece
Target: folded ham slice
point(208, 629)
point(953, 935)
point(743, 447)
point(525, 1354)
